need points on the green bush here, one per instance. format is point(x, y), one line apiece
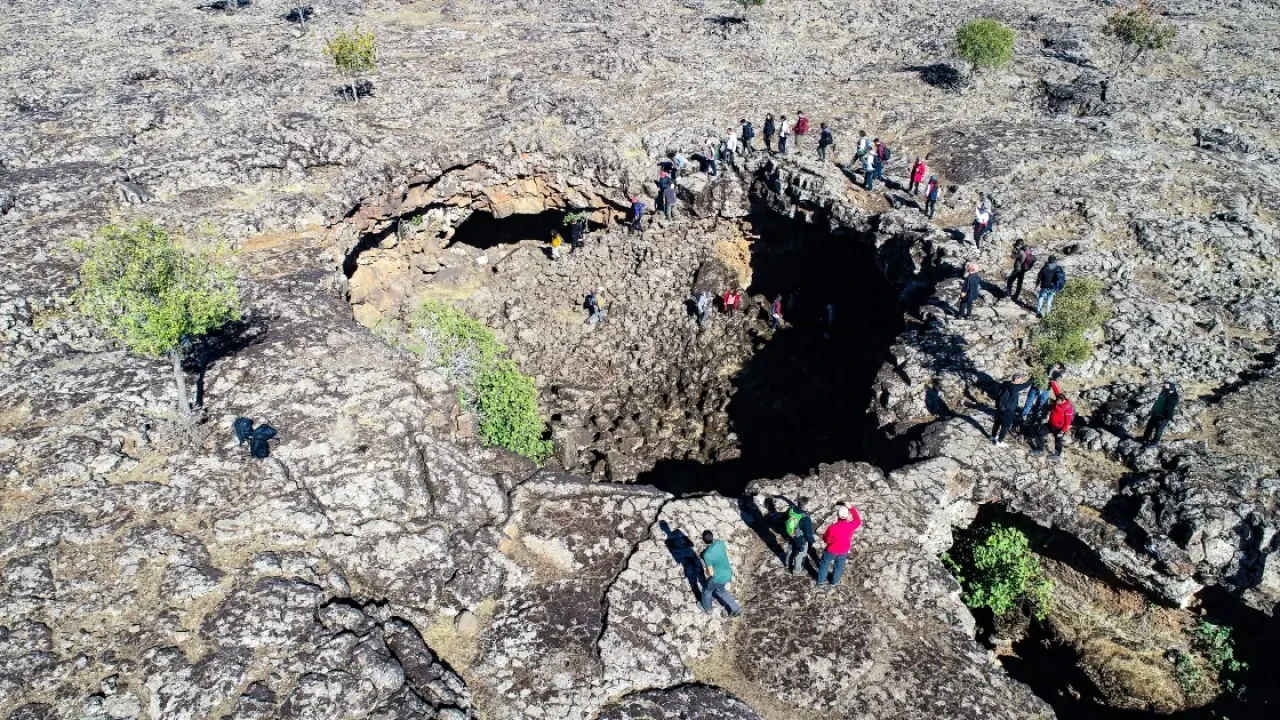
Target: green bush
point(1062, 336)
point(353, 53)
point(1140, 30)
point(986, 44)
point(505, 401)
point(997, 570)
point(1216, 645)
point(151, 293)
point(507, 404)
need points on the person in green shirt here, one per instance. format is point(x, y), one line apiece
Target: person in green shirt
point(715, 559)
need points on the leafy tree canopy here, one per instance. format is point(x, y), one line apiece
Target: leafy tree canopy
point(986, 44)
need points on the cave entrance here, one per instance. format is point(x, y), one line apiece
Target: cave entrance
point(802, 397)
point(483, 231)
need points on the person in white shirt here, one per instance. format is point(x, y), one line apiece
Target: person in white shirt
point(784, 134)
point(981, 224)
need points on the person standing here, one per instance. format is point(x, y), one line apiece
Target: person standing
point(1038, 397)
point(1058, 424)
point(838, 540)
point(577, 231)
point(918, 170)
point(748, 137)
point(595, 306)
point(931, 196)
point(769, 129)
point(669, 200)
point(981, 221)
point(715, 560)
point(737, 300)
point(825, 140)
point(864, 147)
point(1164, 409)
point(799, 531)
point(970, 291)
point(637, 214)
point(784, 134)
point(730, 146)
point(1007, 406)
point(1051, 280)
point(775, 312)
point(1023, 261)
point(556, 242)
point(703, 304)
point(801, 127)
point(869, 171)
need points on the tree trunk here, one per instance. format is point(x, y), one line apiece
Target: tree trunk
point(180, 383)
point(355, 95)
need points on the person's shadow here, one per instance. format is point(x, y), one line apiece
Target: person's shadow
point(682, 551)
point(764, 523)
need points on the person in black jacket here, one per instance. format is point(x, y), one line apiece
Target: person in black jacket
point(1007, 406)
point(769, 129)
point(1051, 280)
point(970, 291)
point(748, 137)
point(800, 523)
point(1161, 413)
point(1023, 261)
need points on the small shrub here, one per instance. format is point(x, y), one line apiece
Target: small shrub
point(353, 53)
point(152, 293)
point(1188, 672)
point(573, 217)
point(1062, 336)
point(505, 400)
point(1216, 645)
point(998, 571)
point(1140, 30)
point(985, 44)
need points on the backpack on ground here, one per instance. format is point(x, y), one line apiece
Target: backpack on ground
point(792, 526)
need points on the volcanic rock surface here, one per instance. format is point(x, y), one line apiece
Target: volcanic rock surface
point(383, 564)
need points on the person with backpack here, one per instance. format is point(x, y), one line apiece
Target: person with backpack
point(1058, 424)
point(798, 527)
point(1007, 406)
point(864, 147)
point(715, 560)
point(802, 125)
point(577, 231)
point(784, 134)
point(748, 137)
point(637, 214)
point(1038, 396)
point(825, 140)
point(931, 196)
point(679, 166)
point(775, 312)
point(883, 154)
point(869, 171)
point(1023, 260)
point(769, 130)
point(594, 306)
point(1164, 409)
point(838, 539)
point(918, 170)
point(1051, 280)
point(981, 223)
point(970, 290)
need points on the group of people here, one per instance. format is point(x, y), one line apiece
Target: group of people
point(1048, 411)
point(797, 528)
point(1049, 281)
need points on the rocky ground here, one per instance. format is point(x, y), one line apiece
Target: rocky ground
point(383, 564)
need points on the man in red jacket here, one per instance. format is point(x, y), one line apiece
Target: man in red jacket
point(838, 539)
point(1059, 423)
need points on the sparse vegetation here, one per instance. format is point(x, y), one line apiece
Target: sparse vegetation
point(985, 44)
point(1140, 30)
point(997, 570)
point(573, 217)
point(1063, 335)
point(504, 399)
point(152, 294)
point(353, 53)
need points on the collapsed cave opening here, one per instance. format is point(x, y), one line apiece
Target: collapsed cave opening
point(1107, 650)
point(802, 394)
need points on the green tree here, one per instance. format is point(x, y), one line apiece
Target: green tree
point(353, 53)
point(1140, 30)
point(997, 570)
point(151, 293)
point(1063, 335)
point(985, 44)
point(506, 403)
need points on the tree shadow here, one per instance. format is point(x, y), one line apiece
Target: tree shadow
point(364, 88)
point(223, 342)
point(683, 552)
point(300, 14)
point(939, 75)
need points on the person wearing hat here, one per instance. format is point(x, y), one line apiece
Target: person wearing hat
point(838, 540)
point(1161, 413)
